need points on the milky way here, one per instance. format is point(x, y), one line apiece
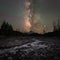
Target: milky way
point(14, 12)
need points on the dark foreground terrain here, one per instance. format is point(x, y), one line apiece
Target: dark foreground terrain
point(29, 48)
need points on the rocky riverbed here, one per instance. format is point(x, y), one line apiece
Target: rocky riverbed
point(35, 50)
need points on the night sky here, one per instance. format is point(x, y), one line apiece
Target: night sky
point(45, 13)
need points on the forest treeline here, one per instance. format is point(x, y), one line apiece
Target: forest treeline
point(7, 29)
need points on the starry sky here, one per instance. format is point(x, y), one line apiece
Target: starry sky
point(45, 12)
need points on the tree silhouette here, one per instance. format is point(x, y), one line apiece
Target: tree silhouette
point(54, 26)
point(3, 26)
point(58, 24)
point(6, 28)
